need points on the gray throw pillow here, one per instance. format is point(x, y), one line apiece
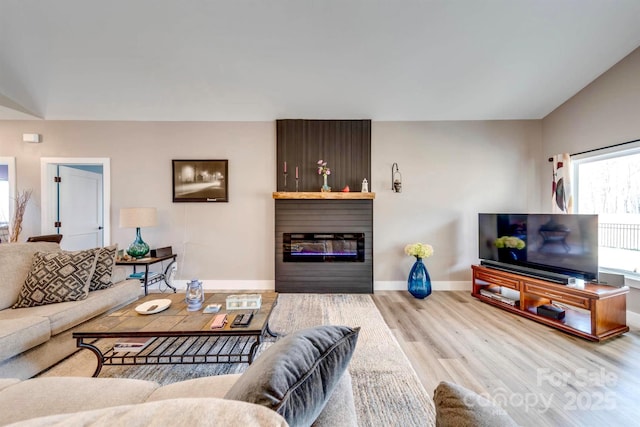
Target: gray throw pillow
point(457, 406)
point(57, 277)
point(105, 260)
point(296, 376)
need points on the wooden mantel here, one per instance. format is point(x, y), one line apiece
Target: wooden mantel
point(337, 195)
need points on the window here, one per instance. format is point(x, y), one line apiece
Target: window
point(4, 211)
point(4, 201)
point(607, 183)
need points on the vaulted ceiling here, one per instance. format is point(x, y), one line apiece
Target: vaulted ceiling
point(266, 59)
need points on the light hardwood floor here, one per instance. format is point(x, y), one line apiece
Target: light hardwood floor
point(541, 376)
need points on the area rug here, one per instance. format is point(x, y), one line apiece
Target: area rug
point(386, 389)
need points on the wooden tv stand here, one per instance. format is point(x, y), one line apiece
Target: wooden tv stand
point(597, 312)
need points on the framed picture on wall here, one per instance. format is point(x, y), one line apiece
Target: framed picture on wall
point(200, 180)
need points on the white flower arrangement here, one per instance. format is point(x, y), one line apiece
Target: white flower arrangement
point(511, 242)
point(419, 250)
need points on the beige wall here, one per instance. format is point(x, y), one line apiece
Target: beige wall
point(451, 171)
point(602, 114)
point(218, 241)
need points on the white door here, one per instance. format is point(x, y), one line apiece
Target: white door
point(80, 208)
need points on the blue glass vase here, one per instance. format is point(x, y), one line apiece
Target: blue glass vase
point(419, 281)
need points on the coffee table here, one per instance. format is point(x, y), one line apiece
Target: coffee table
point(177, 336)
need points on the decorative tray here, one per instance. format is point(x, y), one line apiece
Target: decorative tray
point(153, 306)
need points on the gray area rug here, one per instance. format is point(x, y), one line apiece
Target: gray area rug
point(386, 388)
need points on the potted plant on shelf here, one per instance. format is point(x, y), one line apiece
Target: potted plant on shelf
point(324, 170)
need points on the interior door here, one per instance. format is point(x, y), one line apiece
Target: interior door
point(80, 208)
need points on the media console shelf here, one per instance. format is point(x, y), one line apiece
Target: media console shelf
point(597, 312)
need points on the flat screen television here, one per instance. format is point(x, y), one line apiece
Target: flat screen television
point(551, 246)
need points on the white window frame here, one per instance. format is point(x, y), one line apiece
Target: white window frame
point(11, 163)
point(620, 150)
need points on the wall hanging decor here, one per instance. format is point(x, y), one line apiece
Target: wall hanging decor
point(200, 180)
point(396, 179)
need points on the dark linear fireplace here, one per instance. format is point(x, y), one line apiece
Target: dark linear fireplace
point(323, 247)
point(337, 265)
point(343, 225)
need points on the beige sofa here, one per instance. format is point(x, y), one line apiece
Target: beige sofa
point(116, 401)
point(35, 338)
point(113, 402)
point(300, 380)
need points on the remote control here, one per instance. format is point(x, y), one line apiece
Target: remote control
point(219, 321)
point(242, 320)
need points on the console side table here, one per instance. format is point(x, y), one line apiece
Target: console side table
point(167, 275)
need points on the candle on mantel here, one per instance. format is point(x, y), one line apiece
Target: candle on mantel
point(285, 167)
point(296, 172)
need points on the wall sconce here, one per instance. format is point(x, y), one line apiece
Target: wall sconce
point(396, 179)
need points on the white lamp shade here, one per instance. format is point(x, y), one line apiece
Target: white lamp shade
point(138, 217)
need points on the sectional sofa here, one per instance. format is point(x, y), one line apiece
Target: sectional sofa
point(301, 380)
point(196, 402)
point(34, 338)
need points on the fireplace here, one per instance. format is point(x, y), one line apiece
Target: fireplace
point(323, 247)
point(323, 240)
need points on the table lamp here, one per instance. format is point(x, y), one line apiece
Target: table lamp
point(138, 217)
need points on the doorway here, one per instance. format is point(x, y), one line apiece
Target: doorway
point(7, 194)
point(76, 201)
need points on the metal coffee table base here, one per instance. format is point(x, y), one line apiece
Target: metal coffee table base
point(179, 349)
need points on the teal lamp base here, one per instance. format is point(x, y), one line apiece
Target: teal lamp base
point(138, 248)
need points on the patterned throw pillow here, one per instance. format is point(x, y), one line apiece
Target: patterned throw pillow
point(105, 260)
point(57, 277)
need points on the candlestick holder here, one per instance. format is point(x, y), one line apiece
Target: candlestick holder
point(285, 181)
point(296, 185)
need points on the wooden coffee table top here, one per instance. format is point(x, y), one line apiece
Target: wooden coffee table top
point(176, 320)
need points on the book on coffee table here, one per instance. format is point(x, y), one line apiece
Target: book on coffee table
point(131, 345)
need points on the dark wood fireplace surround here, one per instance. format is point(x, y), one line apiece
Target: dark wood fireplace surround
point(346, 146)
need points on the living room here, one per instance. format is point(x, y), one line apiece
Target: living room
point(452, 167)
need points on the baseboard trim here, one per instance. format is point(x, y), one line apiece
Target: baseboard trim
point(230, 285)
point(440, 285)
point(633, 319)
point(269, 285)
